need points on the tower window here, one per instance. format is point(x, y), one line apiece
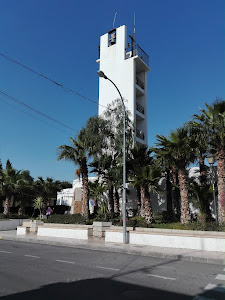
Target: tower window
point(112, 37)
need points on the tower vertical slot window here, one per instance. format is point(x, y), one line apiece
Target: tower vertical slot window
point(112, 37)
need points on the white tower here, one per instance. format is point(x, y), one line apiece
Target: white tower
point(127, 66)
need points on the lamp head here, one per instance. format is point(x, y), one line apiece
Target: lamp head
point(210, 159)
point(101, 74)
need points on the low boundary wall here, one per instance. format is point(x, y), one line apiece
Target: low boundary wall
point(81, 232)
point(182, 239)
point(10, 224)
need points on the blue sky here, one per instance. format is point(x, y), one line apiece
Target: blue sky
point(59, 38)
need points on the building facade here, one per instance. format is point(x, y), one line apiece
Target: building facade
point(126, 64)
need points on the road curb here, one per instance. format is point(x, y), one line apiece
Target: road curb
point(110, 248)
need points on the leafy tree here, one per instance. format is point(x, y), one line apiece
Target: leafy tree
point(104, 138)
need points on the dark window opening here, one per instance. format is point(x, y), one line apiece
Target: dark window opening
point(112, 37)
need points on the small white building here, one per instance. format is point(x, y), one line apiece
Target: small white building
point(72, 197)
point(126, 64)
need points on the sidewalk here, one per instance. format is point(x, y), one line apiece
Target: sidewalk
point(100, 244)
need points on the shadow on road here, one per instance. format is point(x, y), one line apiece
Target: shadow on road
point(99, 289)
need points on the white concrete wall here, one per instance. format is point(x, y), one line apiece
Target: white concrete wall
point(182, 241)
point(10, 224)
point(72, 233)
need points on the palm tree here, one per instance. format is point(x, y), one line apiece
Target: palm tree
point(137, 159)
point(48, 188)
point(104, 167)
point(200, 195)
point(147, 177)
point(181, 151)
point(166, 160)
point(77, 153)
point(11, 183)
point(144, 175)
point(199, 137)
point(38, 203)
point(96, 190)
point(212, 119)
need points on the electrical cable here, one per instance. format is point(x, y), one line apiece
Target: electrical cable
point(34, 117)
point(51, 80)
point(36, 111)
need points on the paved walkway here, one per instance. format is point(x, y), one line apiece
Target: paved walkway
point(100, 244)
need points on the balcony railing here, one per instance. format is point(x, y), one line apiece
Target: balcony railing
point(140, 108)
point(134, 50)
point(140, 134)
point(140, 83)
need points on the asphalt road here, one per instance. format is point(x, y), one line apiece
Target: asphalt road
point(34, 271)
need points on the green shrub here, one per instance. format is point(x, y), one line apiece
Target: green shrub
point(208, 226)
point(140, 222)
point(108, 217)
point(162, 216)
point(134, 222)
point(66, 219)
point(13, 216)
point(158, 216)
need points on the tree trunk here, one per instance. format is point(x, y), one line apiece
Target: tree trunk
point(138, 189)
point(169, 194)
point(95, 204)
point(110, 195)
point(221, 185)
point(202, 170)
point(116, 202)
point(142, 210)
point(85, 194)
point(175, 193)
point(6, 205)
point(185, 209)
point(148, 206)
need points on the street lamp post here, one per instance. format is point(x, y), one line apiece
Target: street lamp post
point(101, 74)
point(211, 161)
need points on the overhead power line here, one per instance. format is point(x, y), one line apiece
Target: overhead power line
point(34, 116)
point(35, 111)
point(51, 80)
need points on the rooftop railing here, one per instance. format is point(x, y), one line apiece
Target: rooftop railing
point(140, 108)
point(140, 83)
point(140, 134)
point(136, 50)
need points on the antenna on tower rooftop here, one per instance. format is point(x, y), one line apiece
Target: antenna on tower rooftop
point(114, 19)
point(134, 25)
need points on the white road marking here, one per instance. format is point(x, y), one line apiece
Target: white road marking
point(202, 298)
point(31, 256)
point(65, 261)
point(220, 277)
point(163, 277)
point(5, 251)
point(210, 286)
point(112, 269)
